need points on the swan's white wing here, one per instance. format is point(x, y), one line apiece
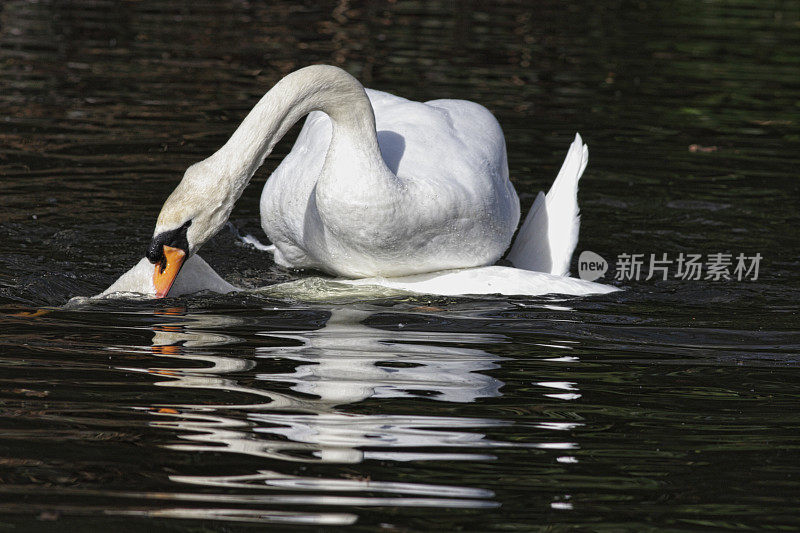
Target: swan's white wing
point(488, 280)
point(548, 236)
point(531, 248)
point(456, 208)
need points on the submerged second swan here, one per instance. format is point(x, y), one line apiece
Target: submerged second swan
point(377, 187)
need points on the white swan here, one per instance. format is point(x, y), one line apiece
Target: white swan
point(405, 191)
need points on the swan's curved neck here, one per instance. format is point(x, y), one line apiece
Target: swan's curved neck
point(315, 88)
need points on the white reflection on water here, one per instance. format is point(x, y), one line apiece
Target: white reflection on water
point(246, 515)
point(342, 363)
point(269, 479)
point(561, 385)
point(348, 361)
point(340, 437)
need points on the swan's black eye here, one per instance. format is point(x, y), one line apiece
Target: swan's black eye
point(175, 238)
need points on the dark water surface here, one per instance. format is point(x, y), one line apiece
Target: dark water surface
point(670, 406)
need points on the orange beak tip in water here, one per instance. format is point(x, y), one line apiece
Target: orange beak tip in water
point(166, 271)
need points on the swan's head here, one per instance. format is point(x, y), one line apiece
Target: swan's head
point(195, 211)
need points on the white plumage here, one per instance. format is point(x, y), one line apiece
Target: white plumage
point(380, 190)
point(548, 236)
point(436, 196)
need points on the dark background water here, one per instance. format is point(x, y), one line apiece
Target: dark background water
point(669, 406)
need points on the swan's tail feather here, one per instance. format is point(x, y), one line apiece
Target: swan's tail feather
point(549, 234)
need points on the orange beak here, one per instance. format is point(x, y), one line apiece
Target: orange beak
point(166, 271)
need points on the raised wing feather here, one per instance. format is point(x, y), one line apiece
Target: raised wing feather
point(548, 236)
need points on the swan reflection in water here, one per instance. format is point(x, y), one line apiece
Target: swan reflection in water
point(342, 363)
point(347, 361)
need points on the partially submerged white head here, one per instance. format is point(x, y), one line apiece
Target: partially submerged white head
point(195, 211)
